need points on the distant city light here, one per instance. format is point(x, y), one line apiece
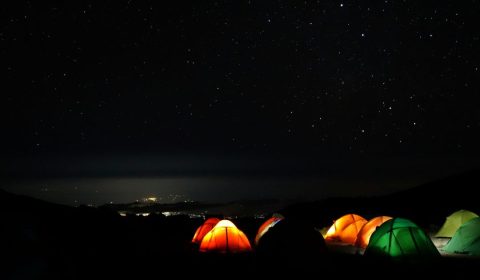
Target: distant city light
point(151, 199)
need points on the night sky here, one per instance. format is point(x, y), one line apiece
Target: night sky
point(344, 89)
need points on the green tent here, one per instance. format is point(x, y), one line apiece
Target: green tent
point(466, 239)
point(400, 238)
point(454, 221)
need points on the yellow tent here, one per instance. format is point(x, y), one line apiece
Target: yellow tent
point(454, 221)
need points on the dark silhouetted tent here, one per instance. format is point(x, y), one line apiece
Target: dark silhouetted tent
point(204, 229)
point(225, 237)
point(345, 229)
point(466, 239)
point(400, 238)
point(367, 230)
point(290, 238)
point(266, 226)
point(454, 221)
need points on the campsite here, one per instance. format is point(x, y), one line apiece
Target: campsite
point(54, 241)
point(241, 139)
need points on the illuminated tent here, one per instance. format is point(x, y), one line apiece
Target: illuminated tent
point(266, 226)
point(466, 239)
point(225, 237)
point(291, 239)
point(204, 229)
point(400, 238)
point(365, 233)
point(454, 221)
point(345, 229)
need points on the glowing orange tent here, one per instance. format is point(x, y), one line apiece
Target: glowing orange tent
point(204, 229)
point(266, 226)
point(345, 229)
point(367, 230)
point(225, 237)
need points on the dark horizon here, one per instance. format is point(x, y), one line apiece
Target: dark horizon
point(102, 180)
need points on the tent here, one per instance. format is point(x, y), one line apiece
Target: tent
point(290, 238)
point(466, 239)
point(400, 238)
point(225, 237)
point(266, 226)
point(367, 230)
point(454, 221)
point(204, 229)
point(345, 229)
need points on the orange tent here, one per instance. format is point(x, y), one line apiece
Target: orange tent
point(266, 226)
point(225, 237)
point(204, 229)
point(345, 229)
point(367, 230)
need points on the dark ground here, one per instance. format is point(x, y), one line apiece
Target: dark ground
point(40, 240)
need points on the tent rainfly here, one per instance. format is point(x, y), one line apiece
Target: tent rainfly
point(225, 237)
point(454, 221)
point(400, 238)
point(345, 229)
point(204, 229)
point(367, 230)
point(466, 239)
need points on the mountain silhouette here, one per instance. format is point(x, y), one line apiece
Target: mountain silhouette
point(425, 204)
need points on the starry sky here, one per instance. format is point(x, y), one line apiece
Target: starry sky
point(270, 86)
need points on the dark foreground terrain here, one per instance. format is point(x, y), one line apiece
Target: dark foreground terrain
point(40, 240)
